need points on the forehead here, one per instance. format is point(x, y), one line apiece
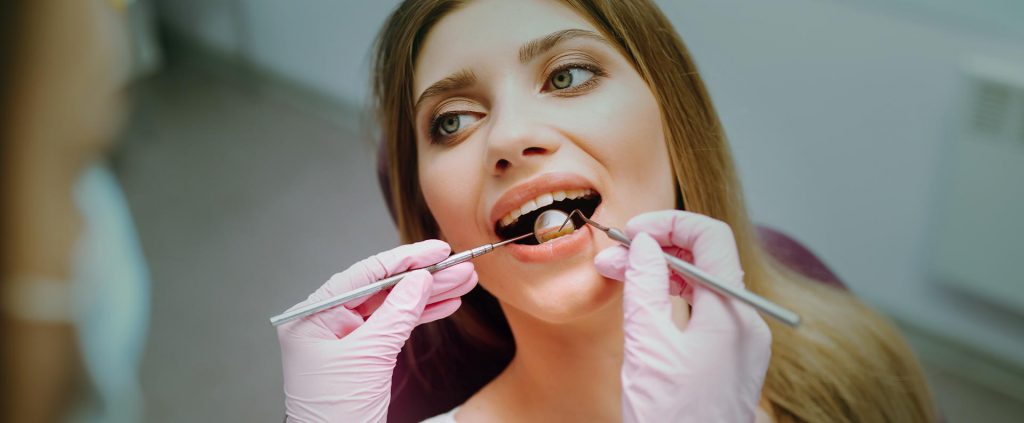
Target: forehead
point(488, 32)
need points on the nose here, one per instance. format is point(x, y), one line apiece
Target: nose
point(519, 142)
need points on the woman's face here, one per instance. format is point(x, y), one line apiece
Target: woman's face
point(525, 102)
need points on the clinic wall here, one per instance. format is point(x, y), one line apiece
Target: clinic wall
point(322, 44)
point(838, 116)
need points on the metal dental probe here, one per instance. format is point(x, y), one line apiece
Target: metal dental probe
point(691, 272)
point(387, 282)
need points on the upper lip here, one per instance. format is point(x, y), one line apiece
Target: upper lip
point(548, 182)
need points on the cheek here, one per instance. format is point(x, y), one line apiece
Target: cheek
point(629, 140)
point(451, 190)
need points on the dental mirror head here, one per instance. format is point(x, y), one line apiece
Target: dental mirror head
point(551, 224)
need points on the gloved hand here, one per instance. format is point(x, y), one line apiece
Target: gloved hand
point(338, 363)
point(711, 371)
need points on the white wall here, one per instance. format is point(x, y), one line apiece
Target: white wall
point(319, 43)
point(838, 115)
point(839, 118)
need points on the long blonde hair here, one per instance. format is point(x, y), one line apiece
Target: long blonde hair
point(845, 363)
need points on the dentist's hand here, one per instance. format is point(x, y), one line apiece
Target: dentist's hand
point(338, 363)
point(711, 371)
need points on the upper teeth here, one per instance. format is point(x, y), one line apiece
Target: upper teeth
point(541, 201)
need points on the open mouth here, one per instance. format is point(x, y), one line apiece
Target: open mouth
point(518, 223)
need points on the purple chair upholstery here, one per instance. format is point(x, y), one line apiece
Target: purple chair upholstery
point(780, 246)
point(795, 256)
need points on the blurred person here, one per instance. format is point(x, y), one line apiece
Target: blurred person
point(74, 292)
point(485, 105)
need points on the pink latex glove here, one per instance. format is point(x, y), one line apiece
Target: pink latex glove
point(338, 363)
point(711, 371)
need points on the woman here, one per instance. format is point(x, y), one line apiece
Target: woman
point(492, 109)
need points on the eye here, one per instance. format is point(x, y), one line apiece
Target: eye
point(451, 122)
point(570, 77)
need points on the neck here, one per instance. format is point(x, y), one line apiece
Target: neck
point(567, 371)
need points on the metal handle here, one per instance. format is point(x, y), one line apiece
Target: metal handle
point(373, 288)
point(318, 306)
point(693, 273)
point(388, 282)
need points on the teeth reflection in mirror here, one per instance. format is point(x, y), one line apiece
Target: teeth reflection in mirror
point(548, 223)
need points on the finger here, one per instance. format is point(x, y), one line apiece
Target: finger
point(725, 320)
point(438, 311)
point(394, 320)
point(340, 321)
point(712, 312)
point(332, 323)
point(710, 241)
point(677, 285)
point(382, 265)
point(453, 282)
point(678, 252)
point(612, 262)
point(713, 249)
point(646, 291)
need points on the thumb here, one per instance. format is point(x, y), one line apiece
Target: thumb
point(612, 261)
point(393, 322)
point(646, 294)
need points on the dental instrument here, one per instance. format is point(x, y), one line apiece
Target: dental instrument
point(545, 224)
point(387, 282)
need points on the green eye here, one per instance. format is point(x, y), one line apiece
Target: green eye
point(570, 77)
point(562, 79)
point(450, 124)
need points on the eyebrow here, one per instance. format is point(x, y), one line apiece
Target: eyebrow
point(466, 78)
point(457, 81)
point(532, 49)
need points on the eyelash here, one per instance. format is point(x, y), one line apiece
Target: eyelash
point(435, 124)
point(598, 73)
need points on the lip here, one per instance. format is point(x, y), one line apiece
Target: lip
point(558, 248)
point(548, 182)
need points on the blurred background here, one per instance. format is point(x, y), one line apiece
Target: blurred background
point(885, 135)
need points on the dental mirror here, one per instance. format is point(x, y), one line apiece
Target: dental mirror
point(549, 225)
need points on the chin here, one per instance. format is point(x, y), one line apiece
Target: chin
point(569, 296)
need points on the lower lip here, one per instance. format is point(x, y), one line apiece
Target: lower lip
point(558, 248)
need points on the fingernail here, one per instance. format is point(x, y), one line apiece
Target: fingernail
point(644, 242)
point(409, 295)
point(644, 251)
point(605, 254)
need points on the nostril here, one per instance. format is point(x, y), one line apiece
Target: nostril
point(502, 164)
point(533, 150)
